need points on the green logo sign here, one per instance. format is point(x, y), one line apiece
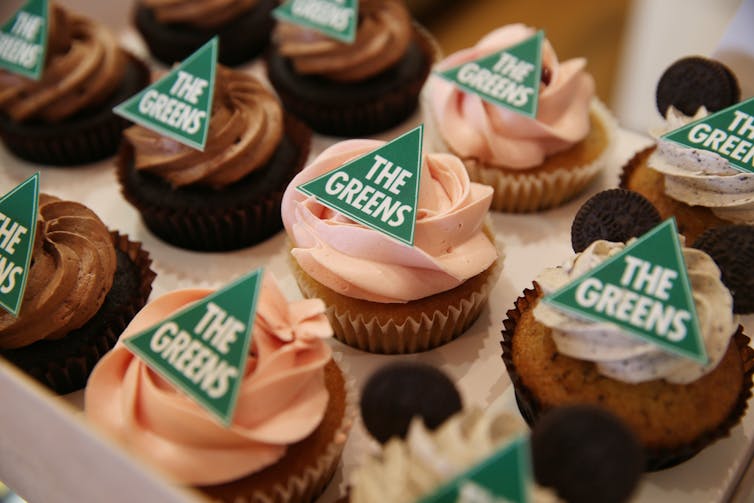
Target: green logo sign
point(645, 290)
point(501, 478)
point(728, 133)
point(23, 40)
point(379, 189)
point(335, 18)
point(18, 225)
point(178, 105)
point(202, 349)
point(508, 78)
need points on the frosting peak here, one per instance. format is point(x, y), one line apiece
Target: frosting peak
point(474, 128)
point(206, 14)
point(282, 398)
point(449, 243)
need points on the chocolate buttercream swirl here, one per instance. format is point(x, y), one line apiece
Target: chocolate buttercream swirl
point(382, 38)
point(204, 14)
point(83, 67)
point(246, 126)
point(72, 269)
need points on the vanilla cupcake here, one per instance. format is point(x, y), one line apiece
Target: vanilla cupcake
point(532, 163)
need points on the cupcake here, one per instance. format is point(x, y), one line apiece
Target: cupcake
point(696, 187)
point(84, 286)
point(228, 196)
point(676, 406)
point(532, 163)
point(173, 30)
point(384, 296)
point(353, 89)
point(290, 423)
point(66, 118)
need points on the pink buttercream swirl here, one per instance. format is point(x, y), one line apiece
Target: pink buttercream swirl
point(351, 259)
point(474, 128)
point(282, 398)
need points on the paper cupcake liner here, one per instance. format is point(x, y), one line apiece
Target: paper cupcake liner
point(306, 486)
point(64, 365)
point(350, 117)
point(241, 39)
point(656, 459)
point(82, 139)
point(411, 333)
point(220, 227)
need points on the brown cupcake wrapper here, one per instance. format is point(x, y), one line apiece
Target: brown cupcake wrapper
point(65, 373)
point(77, 141)
point(216, 229)
point(656, 459)
point(369, 117)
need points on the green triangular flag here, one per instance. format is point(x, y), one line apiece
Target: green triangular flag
point(728, 133)
point(503, 477)
point(23, 40)
point(336, 19)
point(508, 78)
point(202, 349)
point(178, 105)
point(18, 225)
point(645, 290)
point(380, 189)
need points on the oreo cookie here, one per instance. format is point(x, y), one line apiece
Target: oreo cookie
point(614, 215)
point(398, 392)
point(732, 249)
point(586, 454)
point(694, 81)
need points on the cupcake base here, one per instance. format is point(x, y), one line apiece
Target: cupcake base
point(692, 221)
point(672, 421)
point(64, 365)
point(204, 219)
point(356, 108)
point(307, 467)
point(241, 39)
point(90, 135)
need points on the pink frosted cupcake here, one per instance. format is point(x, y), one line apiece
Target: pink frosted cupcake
point(532, 163)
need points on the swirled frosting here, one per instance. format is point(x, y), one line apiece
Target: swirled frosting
point(204, 14)
point(624, 357)
point(351, 259)
point(83, 67)
point(406, 470)
point(382, 37)
point(282, 397)
point(246, 126)
point(72, 269)
point(494, 135)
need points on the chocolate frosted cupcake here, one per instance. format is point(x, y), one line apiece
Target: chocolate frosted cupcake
point(66, 117)
point(353, 89)
point(173, 30)
point(85, 284)
point(227, 196)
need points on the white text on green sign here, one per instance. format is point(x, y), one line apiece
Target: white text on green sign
point(18, 224)
point(179, 104)
point(337, 19)
point(503, 477)
point(202, 350)
point(728, 133)
point(645, 290)
point(23, 40)
point(380, 189)
point(508, 78)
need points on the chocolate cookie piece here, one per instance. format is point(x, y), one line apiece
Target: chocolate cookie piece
point(614, 215)
point(399, 391)
point(694, 81)
point(732, 249)
point(586, 454)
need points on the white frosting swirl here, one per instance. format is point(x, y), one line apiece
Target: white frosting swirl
point(627, 358)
